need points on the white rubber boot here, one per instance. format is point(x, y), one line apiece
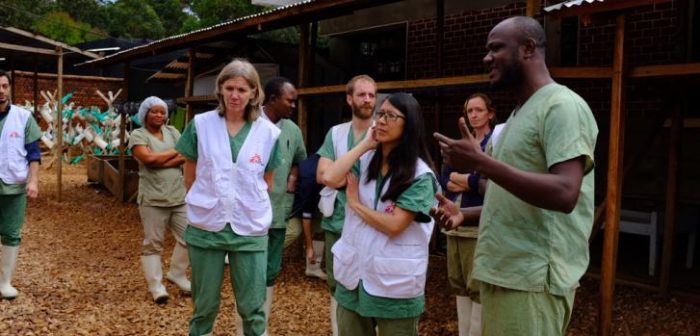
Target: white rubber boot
point(209, 334)
point(267, 307)
point(464, 314)
point(334, 318)
point(178, 268)
point(475, 328)
point(238, 321)
point(8, 261)
point(153, 271)
point(314, 270)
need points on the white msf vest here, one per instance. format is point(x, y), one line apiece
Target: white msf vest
point(339, 137)
point(388, 267)
point(227, 192)
point(14, 167)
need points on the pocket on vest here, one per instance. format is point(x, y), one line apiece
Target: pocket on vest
point(345, 265)
point(396, 277)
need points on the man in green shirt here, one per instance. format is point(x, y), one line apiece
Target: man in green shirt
point(19, 179)
point(538, 209)
point(361, 96)
point(280, 102)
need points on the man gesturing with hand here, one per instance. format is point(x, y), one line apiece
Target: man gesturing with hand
point(538, 208)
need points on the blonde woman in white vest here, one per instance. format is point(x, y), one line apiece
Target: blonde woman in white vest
point(381, 259)
point(230, 153)
point(161, 196)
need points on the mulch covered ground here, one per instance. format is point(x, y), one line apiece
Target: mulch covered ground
point(79, 273)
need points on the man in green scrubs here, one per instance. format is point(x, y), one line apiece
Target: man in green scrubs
point(19, 179)
point(361, 96)
point(538, 210)
point(280, 102)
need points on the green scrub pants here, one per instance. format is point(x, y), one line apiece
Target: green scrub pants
point(12, 209)
point(247, 279)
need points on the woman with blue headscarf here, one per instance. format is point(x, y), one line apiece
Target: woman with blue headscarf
point(161, 196)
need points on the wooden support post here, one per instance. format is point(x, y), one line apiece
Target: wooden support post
point(121, 192)
point(613, 195)
point(189, 86)
point(35, 81)
point(671, 191)
point(533, 7)
point(59, 126)
point(122, 156)
point(302, 111)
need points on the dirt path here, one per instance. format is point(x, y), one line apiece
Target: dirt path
point(79, 274)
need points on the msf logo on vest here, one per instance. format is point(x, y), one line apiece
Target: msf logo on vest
point(15, 134)
point(256, 159)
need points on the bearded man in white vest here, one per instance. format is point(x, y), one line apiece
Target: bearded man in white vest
point(19, 179)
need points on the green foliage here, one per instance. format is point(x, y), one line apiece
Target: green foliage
point(171, 13)
point(22, 14)
point(60, 26)
point(134, 19)
point(212, 12)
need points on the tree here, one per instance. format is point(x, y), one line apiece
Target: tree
point(23, 14)
point(60, 26)
point(134, 19)
point(212, 12)
point(172, 14)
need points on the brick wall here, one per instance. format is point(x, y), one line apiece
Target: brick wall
point(653, 36)
point(83, 89)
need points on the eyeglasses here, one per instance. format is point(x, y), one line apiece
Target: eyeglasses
point(388, 116)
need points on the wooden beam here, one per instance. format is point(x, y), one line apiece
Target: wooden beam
point(407, 84)
point(59, 127)
point(671, 190)
point(581, 72)
point(614, 187)
point(50, 75)
point(53, 43)
point(665, 70)
point(600, 7)
point(16, 47)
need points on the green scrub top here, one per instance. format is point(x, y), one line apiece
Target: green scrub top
point(334, 223)
point(291, 151)
point(160, 187)
point(524, 247)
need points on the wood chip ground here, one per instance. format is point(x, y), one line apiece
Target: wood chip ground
point(79, 273)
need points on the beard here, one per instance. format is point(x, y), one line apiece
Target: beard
point(362, 111)
point(511, 75)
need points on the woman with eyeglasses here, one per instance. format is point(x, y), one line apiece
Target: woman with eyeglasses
point(381, 259)
point(461, 241)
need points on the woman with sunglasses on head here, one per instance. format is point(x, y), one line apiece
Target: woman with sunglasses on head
point(381, 259)
point(461, 242)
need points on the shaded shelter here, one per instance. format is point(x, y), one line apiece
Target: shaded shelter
point(21, 48)
point(617, 75)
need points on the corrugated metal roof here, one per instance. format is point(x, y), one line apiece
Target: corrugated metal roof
point(184, 35)
point(303, 11)
point(569, 4)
